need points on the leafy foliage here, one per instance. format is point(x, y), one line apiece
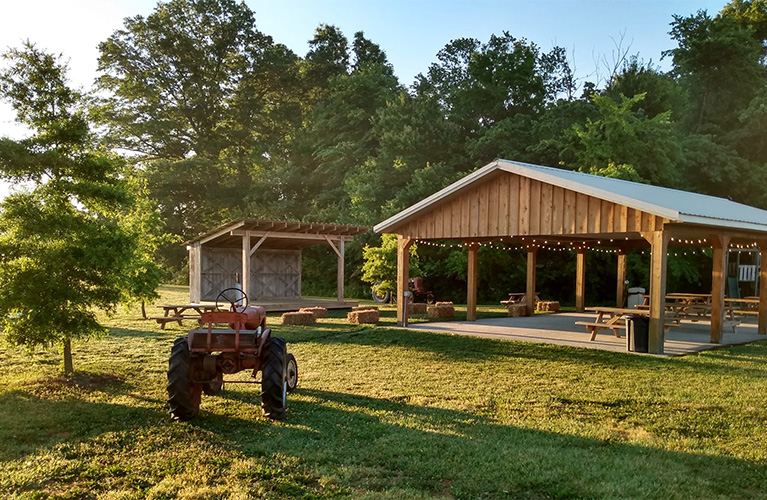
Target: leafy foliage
point(72, 242)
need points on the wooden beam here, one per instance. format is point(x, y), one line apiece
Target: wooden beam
point(658, 261)
point(340, 272)
point(718, 282)
point(403, 275)
point(257, 245)
point(620, 300)
point(221, 232)
point(245, 278)
point(195, 272)
point(290, 236)
point(336, 250)
point(580, 281)
point(471, 288)
point(532, 259)
point(762, 325)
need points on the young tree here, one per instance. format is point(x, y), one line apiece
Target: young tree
point(64, 251)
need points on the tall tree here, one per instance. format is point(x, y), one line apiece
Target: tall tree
point(63, 249)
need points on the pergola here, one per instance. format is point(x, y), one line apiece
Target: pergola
point(530, 205)
point(264, 258)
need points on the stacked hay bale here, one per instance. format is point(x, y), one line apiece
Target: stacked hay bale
point(319, 312)
point(416, 308)
point(442, 310)
point(547, 306)
point(359, 315)
point(517, 310)
point(298, 318)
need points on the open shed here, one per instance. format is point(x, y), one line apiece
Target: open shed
point(531, 205)
point(264, 257)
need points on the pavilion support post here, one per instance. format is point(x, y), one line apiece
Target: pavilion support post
point(762, 324)
point(195, 272)
point(620, 296)
point(471, 279)
point(245, 278)
point(580, 281)
point(340, 271)
point(718, 282)
point(403, 276)
point(658, 263)
point(532, 260)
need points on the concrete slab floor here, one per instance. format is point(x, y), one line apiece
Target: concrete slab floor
point(560, 329)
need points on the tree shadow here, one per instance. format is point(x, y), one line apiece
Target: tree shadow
point(381, 444)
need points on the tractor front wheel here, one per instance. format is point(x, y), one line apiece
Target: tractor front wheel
point(274, 384)
point(292, 375)
point(183, 395)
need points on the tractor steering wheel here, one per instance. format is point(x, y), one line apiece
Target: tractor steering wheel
point(234, 296)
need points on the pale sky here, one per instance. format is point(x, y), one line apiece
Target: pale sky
point(410, 31)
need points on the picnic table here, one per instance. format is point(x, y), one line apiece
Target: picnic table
point(518, 298)
point(179, 312)
point(614, 318)
point(744, 306)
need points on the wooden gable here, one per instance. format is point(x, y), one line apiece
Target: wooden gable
point(506, 204)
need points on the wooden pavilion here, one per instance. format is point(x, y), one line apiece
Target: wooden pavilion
point(264, 258)
point(530, 205)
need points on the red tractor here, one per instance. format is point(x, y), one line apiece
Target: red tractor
point(199, 361)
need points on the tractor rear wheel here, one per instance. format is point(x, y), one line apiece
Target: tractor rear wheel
point(292, 375)
point(274, 385)
point(183, 395)
point(214, 386)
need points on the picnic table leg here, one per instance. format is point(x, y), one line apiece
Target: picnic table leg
point(593, 333)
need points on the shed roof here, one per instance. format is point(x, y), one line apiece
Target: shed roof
point(281, 234)
point(672, 204)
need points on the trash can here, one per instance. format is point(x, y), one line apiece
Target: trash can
point(638, 334)
point(635, 297)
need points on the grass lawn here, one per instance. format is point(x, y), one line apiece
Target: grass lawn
point(387, 414)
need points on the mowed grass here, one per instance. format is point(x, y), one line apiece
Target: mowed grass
point(387, 414)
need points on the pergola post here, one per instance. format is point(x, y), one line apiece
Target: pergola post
point(245, 278)
point(403, 276)
point(762, 325)
point(195, 272)
point(532, 260)
point(580, 280)
point(620, 296)
point(471, 283)
point(658, 260)
point(340, 271)
point(718, 282)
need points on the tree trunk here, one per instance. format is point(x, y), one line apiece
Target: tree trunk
point(68, 357)
point(143, 310)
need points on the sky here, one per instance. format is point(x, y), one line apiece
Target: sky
point(411, 32)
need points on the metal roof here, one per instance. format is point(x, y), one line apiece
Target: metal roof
point(672, 204)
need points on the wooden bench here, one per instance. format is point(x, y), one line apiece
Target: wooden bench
point(164, 320)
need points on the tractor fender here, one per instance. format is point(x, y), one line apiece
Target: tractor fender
point(263, 338)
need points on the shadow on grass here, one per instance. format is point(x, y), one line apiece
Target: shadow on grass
point(378, 444)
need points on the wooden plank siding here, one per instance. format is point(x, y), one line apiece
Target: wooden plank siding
point(511, 205)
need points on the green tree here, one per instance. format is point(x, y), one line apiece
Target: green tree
point(380, 264)
point(63, 249)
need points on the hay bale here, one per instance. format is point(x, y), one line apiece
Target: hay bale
point(364, 308)
point(442, 310)
point(363, 316)
point(319, 312)
point(416, 308)
point(548, 306)
point(517, 310)
point(298, 318)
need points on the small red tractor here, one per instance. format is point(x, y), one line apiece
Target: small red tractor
point(199, 361)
